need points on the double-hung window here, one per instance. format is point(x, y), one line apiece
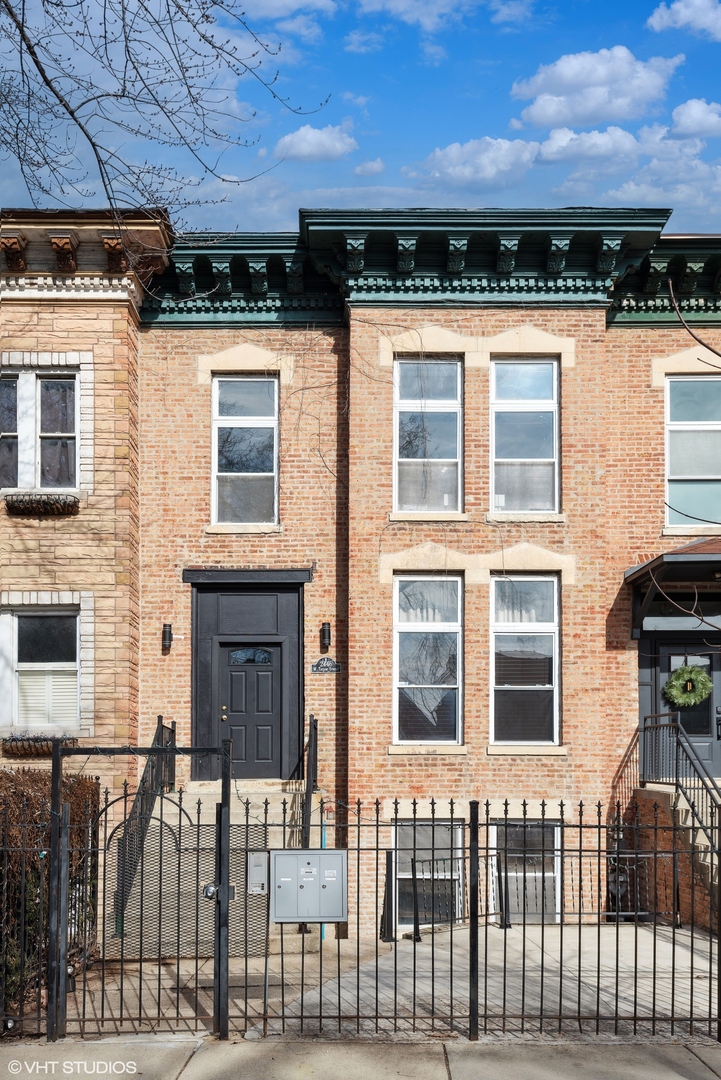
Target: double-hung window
point(525, 659)
point(524, 419)
point(693, 450)
point(245, 449)
point(38, 425)
point(428, 659)
point(46, 670)
point(428, 432)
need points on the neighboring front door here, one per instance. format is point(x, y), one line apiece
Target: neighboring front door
point(249, 693)
point(702, 723)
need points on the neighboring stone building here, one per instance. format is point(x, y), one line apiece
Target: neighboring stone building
point(423, 444)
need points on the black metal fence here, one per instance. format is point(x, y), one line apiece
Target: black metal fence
point(668, 757)
point(469, 918)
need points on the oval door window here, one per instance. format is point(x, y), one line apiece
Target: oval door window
point(250, 656)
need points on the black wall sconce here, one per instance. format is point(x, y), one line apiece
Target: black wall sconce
point(325, 635)
point(167, 638)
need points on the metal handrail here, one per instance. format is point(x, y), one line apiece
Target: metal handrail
point(311, 779)
point(669, 757)
point(158, 777)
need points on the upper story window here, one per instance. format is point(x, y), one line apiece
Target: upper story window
point(428, 659)
point(525, 659)
point(245, 449)
point(693, 450)
point(38, 425)
point(46, 670)
point(428, 427)
point(524, 421)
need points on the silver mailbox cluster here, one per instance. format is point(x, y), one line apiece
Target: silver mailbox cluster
point(309, 886)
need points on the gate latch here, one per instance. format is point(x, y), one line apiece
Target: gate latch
point(212, 892)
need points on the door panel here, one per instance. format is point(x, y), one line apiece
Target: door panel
point(250, 709)
point(700, 722)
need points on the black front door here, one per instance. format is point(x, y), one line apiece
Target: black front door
point(702, 723)
point(248, 673)
point(249, 691)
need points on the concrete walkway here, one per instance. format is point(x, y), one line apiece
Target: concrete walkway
point(179, 1058)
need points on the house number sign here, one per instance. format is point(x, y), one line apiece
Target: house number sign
point(325, 666)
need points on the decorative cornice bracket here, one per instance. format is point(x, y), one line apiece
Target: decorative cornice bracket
point(355, 252)
point(657, 271)
point(557, 251)
point(221, 273)
point(14, 244)
point(65, 246)
point(294, 277)
point(689, 278)
point(608, 253)
point(406, 257)
point(258, 269)
point(457, 250)
point(115, 251)
point(507, 252)
point(186, 277)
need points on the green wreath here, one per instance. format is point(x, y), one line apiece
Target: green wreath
point(688, 685)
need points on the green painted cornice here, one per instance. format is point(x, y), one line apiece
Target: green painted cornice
point(404, 258)
point(692, 264)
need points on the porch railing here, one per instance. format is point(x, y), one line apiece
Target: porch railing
point(311, 779)
point(158, 777)
point(668, 757)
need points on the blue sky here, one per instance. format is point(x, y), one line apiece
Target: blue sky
point(478, 103)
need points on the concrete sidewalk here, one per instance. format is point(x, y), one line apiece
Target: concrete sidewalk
point(176, 1058)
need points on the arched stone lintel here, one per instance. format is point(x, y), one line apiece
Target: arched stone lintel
point(245, 357)
point(476, 568)
point(477, 350)
point(695, 361)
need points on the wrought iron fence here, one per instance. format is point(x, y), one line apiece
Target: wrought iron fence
point(669, 758)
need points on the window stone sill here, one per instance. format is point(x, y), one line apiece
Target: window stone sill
point(527, 749)
point(438, 750)
point(499, 518)
point(691, 530)
point(428, 515)
point(244, 527)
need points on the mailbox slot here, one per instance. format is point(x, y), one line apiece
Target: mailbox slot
point(309, 885)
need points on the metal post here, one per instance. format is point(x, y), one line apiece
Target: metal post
point(216, 923)
point(62, 1007)
point(473, 882)
point(53, 892)
point(224, 891)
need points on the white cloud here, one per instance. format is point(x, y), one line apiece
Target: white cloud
point(697, 117)
point(428, 14)
point(510, 11)
point(316, 144)
point(355, 99)
point(282, 9)
point(480, 162)
point(701, 15)
point(433, 54)
point(359, 42)
point(563, 144)
point(584, 88)
point(303, 26)
point(370, 168)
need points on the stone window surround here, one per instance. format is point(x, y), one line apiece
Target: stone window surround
point(75, 362)
point(16, 602)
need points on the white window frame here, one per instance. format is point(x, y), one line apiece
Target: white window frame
point(428, 406)
point(28, 427)
point(685, 425)
point(48, 668)
point(526, 405)
point(426, 628)
point(552, 629)
point(244, 421)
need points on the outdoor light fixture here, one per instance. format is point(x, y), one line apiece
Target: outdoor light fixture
point(167, 636)
point(325, 635)
point(717, 575)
